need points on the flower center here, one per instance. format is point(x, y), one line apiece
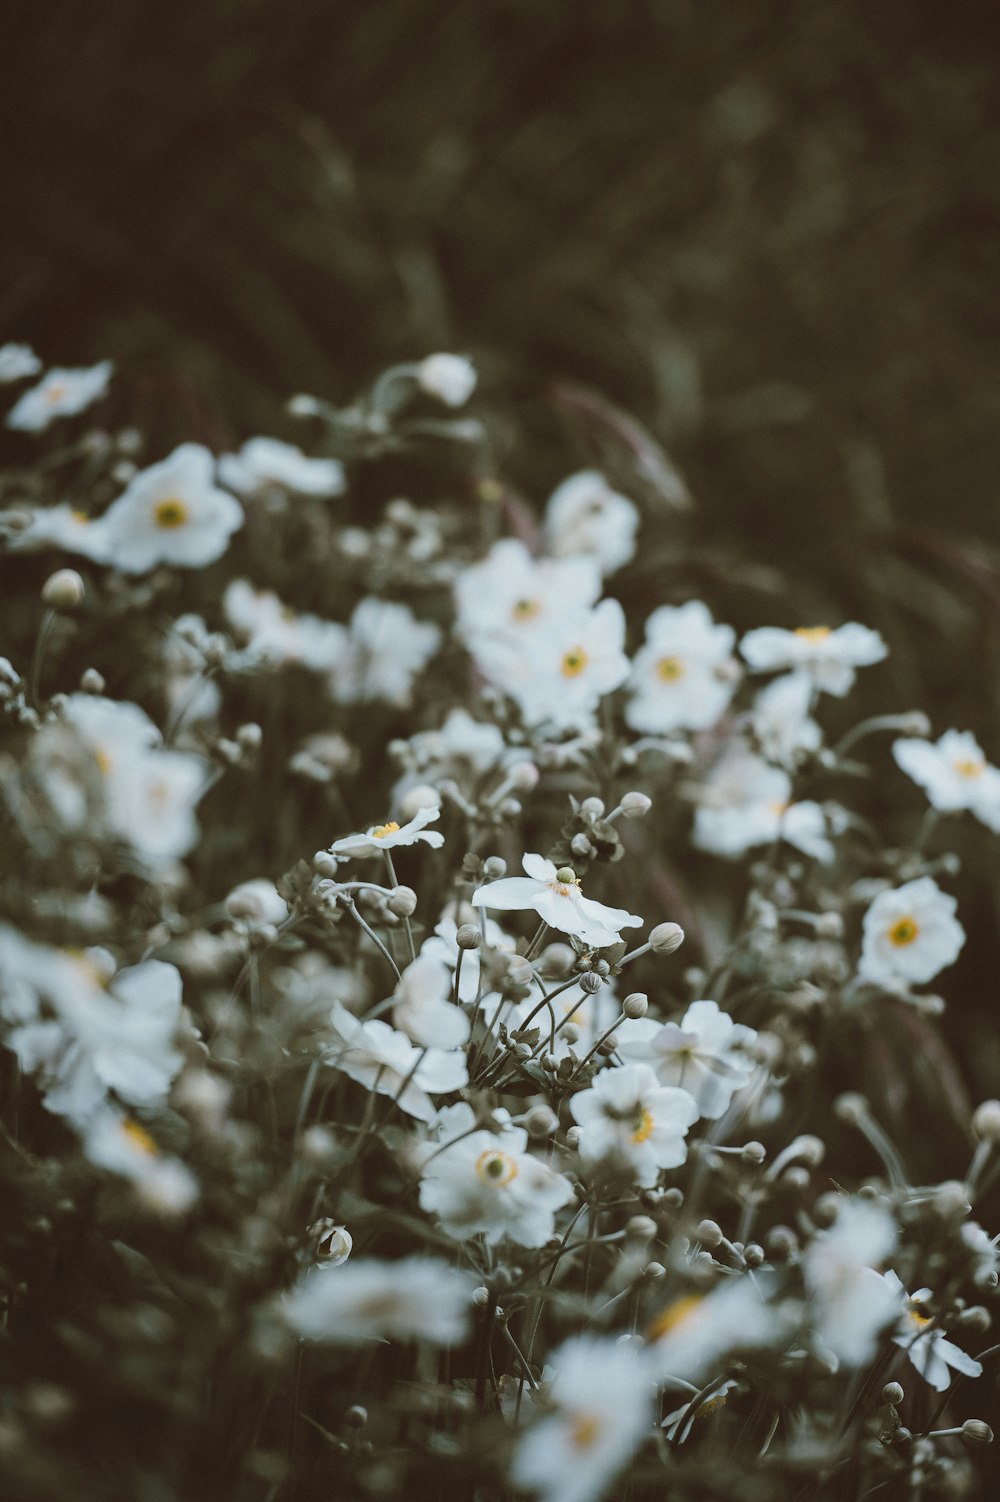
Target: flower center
point(56, 393)
point(496, 1169)
point(903, 932)
point(171, 512)
point(812, 633)
point(669, 669)
point(566, 882)
point(526, 610)
point(583, 1431)
point(969, 767)
point(574, 662)
point(675, 1315)
point(140, 1138)
point(917, 1315)
point(382, 830)
point(105, 764)
point(642, 1125)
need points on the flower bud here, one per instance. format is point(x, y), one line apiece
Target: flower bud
point(468, 936)
point(851, 1108)
point(414, 799)
point(642, 1227)
point(481, 1297)
point(795, 1179)
point(494, 867)
point(571, 1033)
point(402, 901)
point(566, 875)
point(829, 926)
point(557, 959)
point(590, 983)
point(541, 1121)
point(92, 682)
point(356, 1417)
point(976, 1318)
point(986, 1121)
point(304, 406)
point(635, 1006)
point(666, 938)
point(592, 808)
point(951, 1199)
point(519, 971)
point(635, 805)
point(782, 1243)
point(753, 1254)
point(892, 1393)
point(573, 1137)
point(324, 864)
point(63, 590)
point(915, 723)
point(524, 777)
point(709, 1233)
point(753, 1152)
point(977, 1432)
point(581, 847)
point(250, 736)
point(654, 1272)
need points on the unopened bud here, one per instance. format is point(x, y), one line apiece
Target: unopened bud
point(524, 777)
point(92, 682)
point(571, 1033)
point(782, 1243)
point(986, 1121)
point(951, 1199)
point(63, 590)
point(590, 983)
point(977, 1432)
point(592, 808)
point(851, 1108)
point(481, 1297)
point(709, 1233)
point(666, 938)
point(753, 1152)
point(414, 799)
point(304, 406)
point(557, 959)
point(250, 736)
point(402, 901)
point(976, 1318)
point(915, 723)
point(642, 1227)
point(892, 1393)
point(541, 1121)
point(581, 847)
point(829, 926)
point(494, 867)
point(635, 1006)
point(573, 1137)
point(654, 1272)
point(324, 864)
point(356, 1417)
point(635, 805)
point(753, 1254)
point(468, 936)
point(519, 971)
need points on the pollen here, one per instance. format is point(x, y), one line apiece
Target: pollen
point(903, 932)
point(917, 1315)
point(574, 662)
point(169, 513)
point(496, 1169)
point(55, 393)
point(526, 610)
point(669, 669)
point(140, 1138)
point(584, 1430)
point(382, 830)
point(812, 633)
point(969, 767)
point(642, 1125)
point(105, 762)
point(674, 1315)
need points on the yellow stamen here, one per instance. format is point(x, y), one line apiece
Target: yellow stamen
point(140, 1138)
point(526, 610)
point(669, 669)
point(574, 662)
point(813, 633)
point(970, 768)
point(675, 1315)
point(584, 1430)
point(496, 1168)
point(169, 513)
point(903, 932)
point(382, 830)
point(642, 1126)
point(105, 764)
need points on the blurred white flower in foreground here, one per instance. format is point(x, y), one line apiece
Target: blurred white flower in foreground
point(744, 802)
point(629, 1117)
point(851, 1305)
point(451, 378)
point(926, 1345)
point(682, 676)
point(488, 1182)
point(267, 461)
point(416, 1298)
point(692, 1333)
point(512, 593)
point(275, 634)
point(60, 393)
point(910, 934)
point(707, 1055)
point(62, 526)
point(384, 1060)
point(390, 836)
point(172, 513)
point(954, 774)
point(603, 1398)
point(424, 1010)
point(122, 1145)
point(556, 896)
point(17, 362)
point(781, 721)
point(584, 515)
point(829, 657)
point(387, 647)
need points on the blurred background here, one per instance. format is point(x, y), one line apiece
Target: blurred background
point(765, 231)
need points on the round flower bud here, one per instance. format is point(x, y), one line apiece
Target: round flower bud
point(782, 1243)
point(851, 1108)
point(63, 590)
point(915, 723)
point(951, 1200)
point(673, 1197)
point(92, 682)
point(753, 1152)
point(519, 970)
point(571, 1033)
point(593, 808)
point(666, 938)
point(356, 1417)
point(324, 864)
point(573, 1137)
point(635, 1006)
point(642, 1227)
point(590, 983)
point(976, 1318)
point(811, 1150)
point(481, 1297)
point(892, 1393)
point(557, 959)
point(304, 406)
point(524, 777)
point(318, 1146)
point(541, 1121)
point(414, 799)
point(509, 808)
point(977, 1432)
point(468, 936)
point(250, 736)
point(654, 1272)
point(753, 1254)
point(709, 1233)
point(986, 1121)
point(795, 1178)
point(635, 805)
point(566, 875)
point(494, 867)
point(581, 847)
point(402, 901)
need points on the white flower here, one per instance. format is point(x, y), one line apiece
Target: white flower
point(851, 1305)
point(744, 802)
point(276, 634)
point(64, 527)
point(626, 1114)
point(603, 1397)
point(954, 774)
point(424, 1010)
point(510, 593)
point(556, 896)
point(416, 1298)
point(678, 1424)
point(691, 1334)
point(122, 1145)
point(781, 720)
point(584, 515)
point(390, 836)
point(451, 378)
point(910, 934)
point(926, 1345)
point(267, 461)
point(387, 648)
point(680, 678)
point(61, 393)
point(828, 656)
point(18, 361)
point(443, 945)
point(489, 1183)
point(171, 513)
point(558, 678)
point(707, 1055)
point(256, 902)
point(384, 1060)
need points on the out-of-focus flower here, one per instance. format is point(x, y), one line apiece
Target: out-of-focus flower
point(416, 1298)
point(928, 1348)
point(172, 513)
point(690, 1334)
point(485, 1182)
point(451, 378)
point(781, 721)
point(256, 902)
point(267, 461)
point(628, 1116)
point(384, 1060)
point(60, 393)
point(122, 1145)
point(744, 802)
point(62, 526)
point(584, 515)
point(391, 836)
point(851, 1305)
point(680, 677)
point(603, 1398)
point(680, 1421)
point(424, 1010)
point(829, 657)
point(707, 1055)
point(17, 362)
point(275, 634)
point(387, 648)
point(954, 774)
point(557, 897)
point(910, 934)
point(510, 593)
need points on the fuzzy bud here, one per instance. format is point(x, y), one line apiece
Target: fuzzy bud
point(571, 1033)
point(324, 864)
point(590, 983)
point(414, 799)
point(635, 1006)
point(592, 808)
point(753, 1152)
point(782, 1243)
point(524, 777)
point(494, 867)
point(851, 1108)
point(642, 1227)
point(709, 1233)
point(796, 1179)
point(250, 736)
point(581, 847)
point(541, 1121)
point(92, 682)
point(402, 901)
point(468, 936)
point(635, 805)
point(951, 1199)
point(977, 1432)
point(304, 406)
point(519, 971)
point(63, 590)
point(666, 938)
point(892, 1393)
point(654, 1272)
point(915, 723)
point(557, 959)
point(753, 1254)
point(356, 1417)
point(481, 1297)
point(573, 1137)
point(986, 1121)
point(976, 1318)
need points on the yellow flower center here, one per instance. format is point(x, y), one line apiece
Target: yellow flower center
point(812, 633)
point(140, 1138)
point(105, 763)
point(903, 932)
point(917, 1315)
point(969, 767)
point(642, 1125)
point(496, 1169)
point(81, 517)
point(669, 669)
point(171, 512)
point(56, 393)
point(674, 1315)
point(526, 610)
point(382, 830)
point(574, 662)
point(583, 1431)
